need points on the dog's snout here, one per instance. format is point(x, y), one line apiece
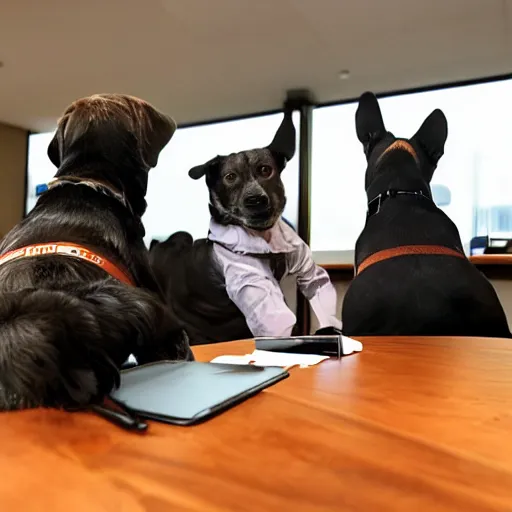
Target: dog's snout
point(256, 201)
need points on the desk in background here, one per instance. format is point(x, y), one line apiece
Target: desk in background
point(408, 423)
point(497, 268)
point(494, 266)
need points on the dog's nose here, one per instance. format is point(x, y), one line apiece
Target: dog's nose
point(256, 201)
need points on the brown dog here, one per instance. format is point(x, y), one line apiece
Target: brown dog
point(77, 295)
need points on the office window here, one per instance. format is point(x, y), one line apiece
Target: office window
point(175, 201)
point(39, 168)
point(474, 174)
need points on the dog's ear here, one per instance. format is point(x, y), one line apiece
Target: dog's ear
point(199, 171)
point(282, 146)
point(55, 146)
point(157, 131)
point(101, 114)
point(432, 135)
point(369, 123)
point(54, 151)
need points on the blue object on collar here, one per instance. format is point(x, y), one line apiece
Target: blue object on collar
point(41, 189)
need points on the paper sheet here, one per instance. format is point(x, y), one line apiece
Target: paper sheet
point(285, 359)
point(350, 345)
point(266, 358)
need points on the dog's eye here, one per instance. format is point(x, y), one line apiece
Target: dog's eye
point(265, 171)
point(230, 177)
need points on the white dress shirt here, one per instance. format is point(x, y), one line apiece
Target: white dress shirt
point(248, 260)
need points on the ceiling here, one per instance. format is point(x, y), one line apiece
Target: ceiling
point(204, 59)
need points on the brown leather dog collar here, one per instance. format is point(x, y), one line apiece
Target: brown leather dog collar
point(70, 250)
point(407, 250)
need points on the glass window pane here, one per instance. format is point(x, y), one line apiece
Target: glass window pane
point(39, 168)
point(474, 169)
point(175, 201)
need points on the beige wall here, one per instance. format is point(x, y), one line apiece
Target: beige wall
point(13, 161)
point(503, 289)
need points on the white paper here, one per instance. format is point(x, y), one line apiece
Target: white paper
point(232, 359)
point(349, 345)
point(285, 359)
point(266, 358)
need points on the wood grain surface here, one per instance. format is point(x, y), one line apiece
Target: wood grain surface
point(407, 424)
point(492, 259)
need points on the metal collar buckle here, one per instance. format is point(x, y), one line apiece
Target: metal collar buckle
point(391, 193)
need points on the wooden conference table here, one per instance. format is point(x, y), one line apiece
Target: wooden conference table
point(408, 424)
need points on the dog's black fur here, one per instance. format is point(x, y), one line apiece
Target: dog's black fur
point(195, 290)
point(66, 325)
point(420, 294)
point(246, 190)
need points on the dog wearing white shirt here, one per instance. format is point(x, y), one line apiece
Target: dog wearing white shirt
point(227, 286)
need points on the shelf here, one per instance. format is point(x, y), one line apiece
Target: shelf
point(492, 259)
point(494, 266)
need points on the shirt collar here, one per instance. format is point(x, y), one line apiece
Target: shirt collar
point(281, 238)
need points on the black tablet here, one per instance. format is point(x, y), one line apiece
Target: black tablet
point(186, 393)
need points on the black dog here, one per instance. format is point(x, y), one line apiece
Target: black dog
point(195, 289)
point(226, 287)
point(77, 292)
point(412, 277)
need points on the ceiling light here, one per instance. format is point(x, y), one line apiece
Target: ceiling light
point(344, 74)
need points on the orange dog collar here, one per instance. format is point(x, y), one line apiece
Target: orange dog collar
point(407, 250)
point(70, 250)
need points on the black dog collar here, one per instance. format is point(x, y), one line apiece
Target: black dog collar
point(375, 204)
